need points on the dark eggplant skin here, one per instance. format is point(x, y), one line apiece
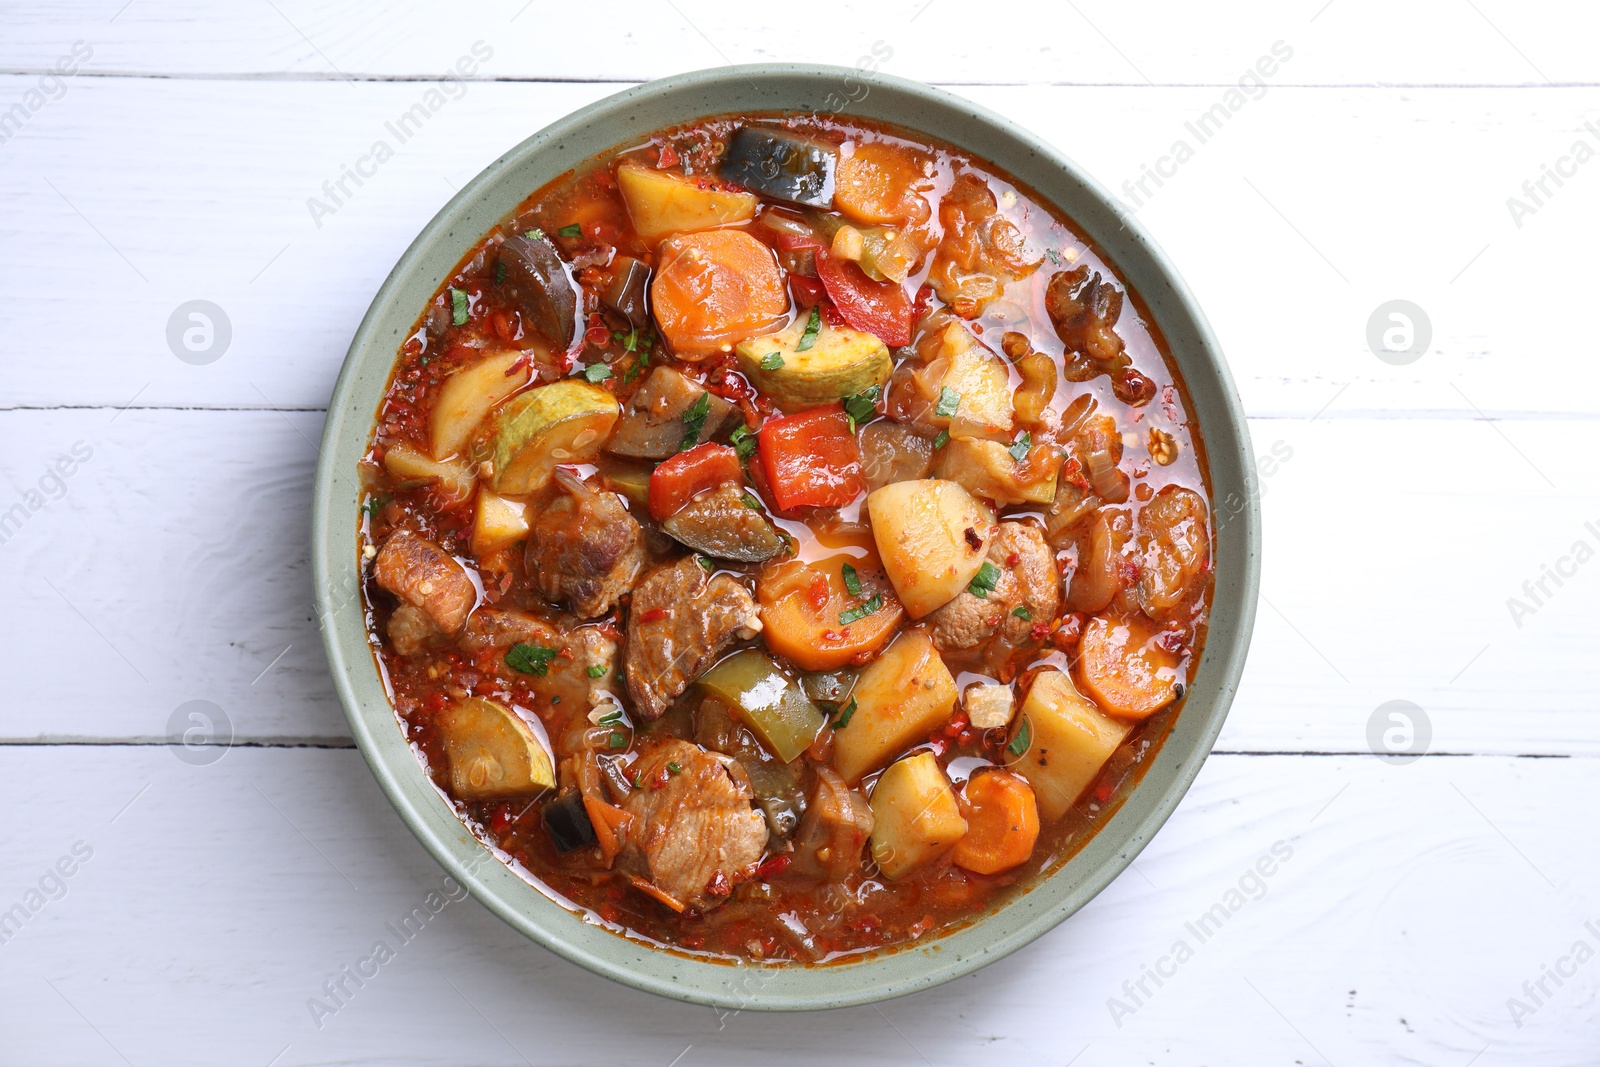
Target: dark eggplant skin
point(566, 820)
point(782, 165)
point(535, 279)
point(628, 293)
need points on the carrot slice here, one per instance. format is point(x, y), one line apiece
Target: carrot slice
point(1122, 668)
point(880, 182)
point(610, 826)
point(1002, 823)
point(803, 605)
point(715, 288)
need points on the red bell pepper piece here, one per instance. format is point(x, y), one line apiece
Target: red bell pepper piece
point(811, 459)
point(879, 308)
point(677, 479)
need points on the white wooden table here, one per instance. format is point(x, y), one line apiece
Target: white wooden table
point(1424, 906)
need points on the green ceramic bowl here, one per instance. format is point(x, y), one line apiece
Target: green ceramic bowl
point(625, 118)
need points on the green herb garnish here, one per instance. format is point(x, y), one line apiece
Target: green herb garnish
point(743, 441)
point(856, 614)
point(984, 581)
point(1019, 448)
point(705, 563)
point(1024, 738)
point(1021, 611)
point(618, 740)
point(845, 715)
point(861, 407)
point(694, 420)
point(611, 718)
point(530, 659)
point(571, 231)
point(630, 343)
point(949, 400)
point(499, 273)
point(534, 234)
point(852, 581)
point(374, 504)
point(597, 372)
point(750, 500)
point(813, 327)
point(674, 767)
point(772, 361)
point(597, 671)
point(942, 440)
point(460, 306)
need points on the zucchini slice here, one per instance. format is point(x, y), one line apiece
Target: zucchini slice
point(839, 362)
point(492, 752)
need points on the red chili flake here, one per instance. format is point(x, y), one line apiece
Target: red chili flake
point(1013, 559)
point(1128, 571)
point(1170, 641)
point(817, 593)
point(669, 157)
point(522, 363)
point(833, 637)
point(501, 821)
point(972, 538)
point(1103, 790)
point(923, 302)
point(774, 866)
point(505, 324)
point(434, 701)
point(1072, 472)
point(719, 885)
point(695, 942)
point(1039, 631)
point(653, 615)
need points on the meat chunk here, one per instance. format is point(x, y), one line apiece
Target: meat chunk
point(423, 575)
point(584, 550)
point(696, 832)
point(411, 630)
point(1027, 580)
point(681, 621)
point(837, 824)
point(579, 649)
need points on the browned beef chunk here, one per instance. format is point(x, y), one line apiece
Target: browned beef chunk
point(1028, 579)
point(423, 575)
point(680, 622)
point(584, 550)
point(695, 834)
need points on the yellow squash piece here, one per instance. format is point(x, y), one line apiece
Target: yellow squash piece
point(467, 397)
point(1064, 739)
point(661, 202)
point(492, 752)
point(900, 697)
point(915, 817)
point(566, 422)
point(499, 522)
point(932, 536)
point(840, 362)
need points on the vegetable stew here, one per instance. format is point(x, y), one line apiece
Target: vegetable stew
point(785, 538)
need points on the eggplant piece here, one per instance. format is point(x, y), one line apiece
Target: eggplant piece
point(535, 278)
point(721, 525)
point(652, 425)
point(566, 820)
point(782, 165)
point(630, 282)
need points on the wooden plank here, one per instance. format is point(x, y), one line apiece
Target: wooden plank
point(1293, 224)
point(218, 899)
point(174, 567)
point(1353, 42)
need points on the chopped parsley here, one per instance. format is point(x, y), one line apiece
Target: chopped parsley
point(1019, 448)
point(772, 361)
point(984, 581)
point(1021, 611)
point(534, 234)
point(1024, 738)
point(861, 407)
point(530, 659)
point(861, 611)
point(674, 767)
point(706, 563)
point(597, 671)
point(374, 505)
point(845, 715)
point(460, 306)
point(618, 740)
point(813, 327)
point(630, 343)
point(949, 400)
point(743, 441)
point(610, 718)
point(852, 581)
point(499, 273)
point(632, 372)
point(942, 440)
point(1053, 256)
point(694, 420)
point(750, 500)
point(571, 231)
point(597, 372)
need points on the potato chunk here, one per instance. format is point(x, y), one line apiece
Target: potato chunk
point(1066, 740)
point(660, 202)
point(932, 536)
point(900, 697)
point(915, 816)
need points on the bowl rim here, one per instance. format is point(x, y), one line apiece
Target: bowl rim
point(1027, 915)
